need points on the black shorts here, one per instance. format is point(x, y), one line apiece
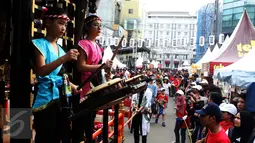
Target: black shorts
point(51, 125)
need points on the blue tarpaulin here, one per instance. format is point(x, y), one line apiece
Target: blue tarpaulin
point(250, 98)
point(241, 79)
point(236, 77)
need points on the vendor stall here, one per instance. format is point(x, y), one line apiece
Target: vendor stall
point(240, 43)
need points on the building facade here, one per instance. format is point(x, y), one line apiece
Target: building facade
point(204, 28)
point(232, 12)
point(172, 35)
point(110, 13)
point(132, 17)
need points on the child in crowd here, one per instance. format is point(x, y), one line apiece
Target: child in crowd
point(162, 101)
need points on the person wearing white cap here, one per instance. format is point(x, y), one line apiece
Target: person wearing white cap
point(204, 82)
point(180, 113)
point(228, 112)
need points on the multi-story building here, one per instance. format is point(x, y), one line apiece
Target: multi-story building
point(132, 17)
point(204, 28)
point(232, 12)
point(172, 35)
point(110, 12)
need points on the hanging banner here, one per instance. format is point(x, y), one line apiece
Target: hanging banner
point(116, 41)
point(132, 43)
point(101, 40)
point(201, 41)
point(108, 41)
point(211, 40)
point(221, 38)
point(124, 42)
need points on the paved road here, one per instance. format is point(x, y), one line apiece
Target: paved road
point(159, 134)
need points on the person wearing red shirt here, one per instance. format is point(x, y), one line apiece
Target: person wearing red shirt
point(161, 100)
point(210, 117)
point(228, 112)
point(180, 113)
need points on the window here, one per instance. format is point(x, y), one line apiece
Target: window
point(227, 1)
point(166, 43)
point(192, 41)
point(186, 33)
point(160, 42)
point(130, 11)
point(186, 26)
point(179, 26)
point(174, 42)
point(179, 33)
point(161, 25)
point(168, 26)
point(151, 25)
point(179, 41)
point(238, 16)
point(167, 33)
point(150, 32)
point(183, 42)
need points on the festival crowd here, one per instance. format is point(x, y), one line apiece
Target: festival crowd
point(202, 112)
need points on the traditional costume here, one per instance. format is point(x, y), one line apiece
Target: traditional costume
point(49, 121)
point(94, 55)
point(141, 122)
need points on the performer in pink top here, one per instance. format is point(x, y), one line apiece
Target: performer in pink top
point(91, 54)
point(89, 61)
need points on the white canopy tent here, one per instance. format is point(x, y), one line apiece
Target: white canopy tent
point(221, 49)
point(108, 54)
point(204, 58)
point(244, 64)
point(139, 62)
point(215, 52)
point(155, 64)
point(186, 63)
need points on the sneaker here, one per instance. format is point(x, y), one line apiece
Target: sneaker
point(156, 121)
point(164, 124)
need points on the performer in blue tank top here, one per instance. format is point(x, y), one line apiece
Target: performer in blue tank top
point(49, 59)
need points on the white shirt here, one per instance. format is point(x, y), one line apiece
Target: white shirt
point(167, 86)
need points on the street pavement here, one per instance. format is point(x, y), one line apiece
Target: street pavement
point(159, 134)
